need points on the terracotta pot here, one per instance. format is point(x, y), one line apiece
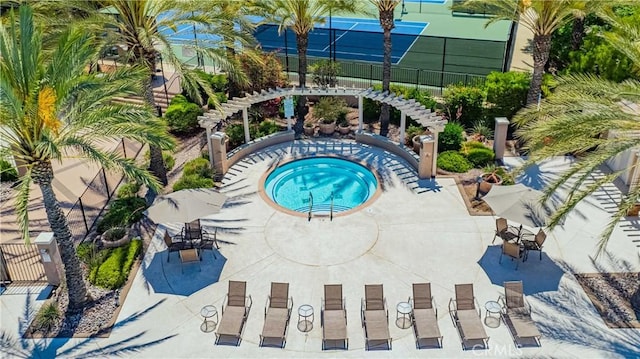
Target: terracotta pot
point(344, 129)
point(327, 128)
point(309, 131)
point(416, 143)
point(489, 180)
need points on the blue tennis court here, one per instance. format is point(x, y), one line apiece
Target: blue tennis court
point(354, 39)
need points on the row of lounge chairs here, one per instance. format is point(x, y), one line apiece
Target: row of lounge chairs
point(464, 311)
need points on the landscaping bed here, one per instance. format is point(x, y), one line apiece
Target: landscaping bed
point(616, 297)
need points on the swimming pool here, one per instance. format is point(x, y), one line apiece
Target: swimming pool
point(313, 182)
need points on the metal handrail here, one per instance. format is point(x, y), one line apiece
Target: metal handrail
point(331, 208)
point(310, 205)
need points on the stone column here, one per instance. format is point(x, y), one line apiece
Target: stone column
point(219, 153)
point(403, 123)
point(360, 113)
point(245, 123)
point(427, 157)
point(500, 137)
point(49, 256)
point(434, 166)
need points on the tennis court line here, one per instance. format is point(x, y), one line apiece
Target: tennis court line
point(407, 50)
point(341, 35)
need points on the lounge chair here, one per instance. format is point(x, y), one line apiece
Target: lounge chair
point(424, 315)
point(334, 317)
point(277, 313)
point(235, 314)
point(517, 314)
point(465, 314)
point(512, 250)
point(375, 317)
point(172, 246)
point(536, 244)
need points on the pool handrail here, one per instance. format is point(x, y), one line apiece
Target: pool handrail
point(331, 208)
point(310, 205)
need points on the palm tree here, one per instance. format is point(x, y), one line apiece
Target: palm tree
point(385, 11)
point(301, 16)
point(541, 17)
point(143, 28)
point(594, 118)
point(52, 107)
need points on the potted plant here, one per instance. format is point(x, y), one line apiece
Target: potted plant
point(343, 125)
point(309, 128)
point(327, 126)
point(492, 175)
point(115, 237)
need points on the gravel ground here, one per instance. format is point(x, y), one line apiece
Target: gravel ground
point(613, 295)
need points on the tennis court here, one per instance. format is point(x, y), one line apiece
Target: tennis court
point(349, 34)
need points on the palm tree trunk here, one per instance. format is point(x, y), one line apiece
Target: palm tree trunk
point(386, 71)
point(302, 41)
point(234, 88)
point(43, 175)
point(541, 46)
point(577, 33)
point(156, 163)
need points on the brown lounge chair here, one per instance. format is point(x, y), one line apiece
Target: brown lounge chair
point(424, 315)
point(517, 315)
point(334, 317)
point(465, 314)
point(235, 314)
point(276, 315)
point(375, 317)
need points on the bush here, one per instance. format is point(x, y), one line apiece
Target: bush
point(329, 108)
point(7, 171)
point(266, 128)
point(114, 271)
point(480, 157)
point(451, 138)
point(199, 166)
point(263, 73)
point(128, 190)
point(507, 92)
point(464, 104)
point(453, 161)
point(370, 110)
point(193, 181)
point(121, 213)
point(182, 116)
point(325, 73)
point(235, 132)
point(85, 251)
point(48, 316)
point(221, 97)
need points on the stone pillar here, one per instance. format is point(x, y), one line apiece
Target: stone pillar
point(500, 137)
point(634, 165)
point(427, 157)
point(360, 114)
point(49, 256)
point(434, 167)
point(245, 123)
point(403, 123)
point(219, 153)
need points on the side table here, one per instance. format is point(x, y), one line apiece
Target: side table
point(209, 311)
point(403, 315)
point(492, 307)
point(305, 318)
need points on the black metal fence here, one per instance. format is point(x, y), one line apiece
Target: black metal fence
point(84, 213)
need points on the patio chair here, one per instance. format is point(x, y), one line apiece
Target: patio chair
point(424, 315)
point(235, 314)
point(375, 317)
point(516, 314)
point(536, 244)
point(512, 250)
point(502, 231)
point(277, 314)
point(172, 246)
point(194, 232)
point(209, 242)
point(333, 316)
point(189, 255)
point(465, 314)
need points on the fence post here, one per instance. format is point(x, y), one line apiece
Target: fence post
point(466, 79)
point(371, 75)
point(417, 78)
point(106, 184)
point(84, 217)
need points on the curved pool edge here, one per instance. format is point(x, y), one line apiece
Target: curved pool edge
point(263, 194)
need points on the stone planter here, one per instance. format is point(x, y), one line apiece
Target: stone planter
point(416, 143)
point(344, 130)
point(108, 242)
point(327, 128)
point(309, 130)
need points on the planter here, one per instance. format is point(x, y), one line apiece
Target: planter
point(108, 241)
point(416, 143)
point(309, 130)
point(489, 180)
point(327, 128)
point(344, 130)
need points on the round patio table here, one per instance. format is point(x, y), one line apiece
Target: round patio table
point(403, 315)
point(305, 318)
point(209, 311)
point(492, 308)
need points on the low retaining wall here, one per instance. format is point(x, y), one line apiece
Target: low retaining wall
point(386, 144)
point(259, 143)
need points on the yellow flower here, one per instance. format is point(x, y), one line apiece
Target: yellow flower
point(526, 4)
point(46, 109)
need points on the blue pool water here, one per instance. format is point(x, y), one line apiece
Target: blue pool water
point(351, 184)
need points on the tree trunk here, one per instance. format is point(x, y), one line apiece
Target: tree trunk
point(156, 163)
point(577, 33)
point(541, 46)
point(386, 22)
point(42, 176)
point(302, 41)
point(234, 88)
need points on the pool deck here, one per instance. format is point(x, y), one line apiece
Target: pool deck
point(416, 231)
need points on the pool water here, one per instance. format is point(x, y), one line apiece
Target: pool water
point(290, 184)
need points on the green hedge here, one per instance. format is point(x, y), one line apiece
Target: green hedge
point(193, 181)
point(451, 137)
point(464, 104)
point(121, 213)
point(182, 116)
point(453, 161)
point(506, 92)
point(114, 270)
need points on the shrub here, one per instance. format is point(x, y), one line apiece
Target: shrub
point(266, 128)
point(370, 110)
point(481, 129)
point(221, 97)
point(453, 161)
point(329, 108)
point(325, 73)
point(235, 132)
point(128, 190)
point(7, 171)
point(507, 92)
point(121, 213)
point(413, 131)
point(263, 73)
point(193, 181)
point(451, 138)
point(464, 103)
point(182, 116)
point(470, 145)
point(480, 157)
point(48, 316)
point(113, 272)
point(507, 178)
point(85, 251)
point(199, 166)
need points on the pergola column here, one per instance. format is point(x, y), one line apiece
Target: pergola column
point(403, 123)
point(245, 123)
point(434, 168)
point(360, 114)
point(500, 137)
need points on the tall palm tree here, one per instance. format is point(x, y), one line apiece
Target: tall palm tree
point(144, 28)
point(541, 17)
point(593, 117)
point(51, 107)
point(385, 11)
point(301, 16)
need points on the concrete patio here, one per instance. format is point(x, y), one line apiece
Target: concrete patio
point(416, 231)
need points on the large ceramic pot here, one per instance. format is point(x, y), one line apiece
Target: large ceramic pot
point(309, 130)
point(489, 180)
point(416, 143)
point(327, 128)
point(344, 130)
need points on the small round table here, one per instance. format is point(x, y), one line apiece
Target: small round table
point(403, 315)
point(492, 308)
point(209, 311)
point(305, 318)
